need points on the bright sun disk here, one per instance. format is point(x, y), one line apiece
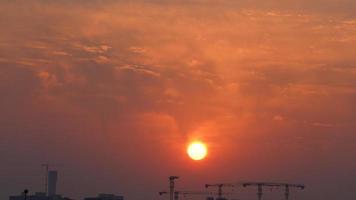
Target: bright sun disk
point(197, 150)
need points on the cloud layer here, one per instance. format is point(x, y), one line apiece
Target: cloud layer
point(106, 87)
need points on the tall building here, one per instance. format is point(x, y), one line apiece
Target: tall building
point(52, 183)
point(51, 191)
point(105, 197)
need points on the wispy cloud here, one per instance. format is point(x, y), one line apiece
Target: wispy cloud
point(124, 75)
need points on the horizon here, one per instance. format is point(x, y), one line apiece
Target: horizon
point(113, 93)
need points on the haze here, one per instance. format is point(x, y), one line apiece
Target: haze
point(111, 92)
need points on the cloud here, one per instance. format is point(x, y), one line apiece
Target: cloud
point(119, 76)
point(323, 125)
point(278, 118)
point(140, 70)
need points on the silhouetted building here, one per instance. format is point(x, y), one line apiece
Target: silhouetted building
point(221, 198)
point(38, 196)
point(51, 191)
point(52, 183)
point(105, 197)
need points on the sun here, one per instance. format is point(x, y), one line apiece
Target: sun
point(197, 150)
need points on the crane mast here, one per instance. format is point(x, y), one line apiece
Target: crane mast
point(171, 186)
point(260, 186)
point(220, 188)
point(288, 186)
point(46, 166)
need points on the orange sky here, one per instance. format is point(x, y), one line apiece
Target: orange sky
point(111, 92)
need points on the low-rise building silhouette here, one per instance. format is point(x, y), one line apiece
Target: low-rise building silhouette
point(105, 197)
point(50, 194)
point(38, 196)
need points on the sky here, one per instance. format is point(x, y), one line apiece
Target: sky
point(110, 93)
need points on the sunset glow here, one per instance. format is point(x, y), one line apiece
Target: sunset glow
point(120, 94)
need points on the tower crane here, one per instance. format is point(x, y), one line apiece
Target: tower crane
point(46, 166)
point(260, 186)
point(288, 186)
point(171, 186)
point(220, 187)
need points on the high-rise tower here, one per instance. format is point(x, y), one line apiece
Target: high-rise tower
point(52, 183)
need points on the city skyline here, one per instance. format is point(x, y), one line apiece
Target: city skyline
point(111, 93)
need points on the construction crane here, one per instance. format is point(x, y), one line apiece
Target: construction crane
point(185, 193)
point(46, 166)
point(171, 186)
point(220, 188)
point(260, 186)
point(288, 186)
